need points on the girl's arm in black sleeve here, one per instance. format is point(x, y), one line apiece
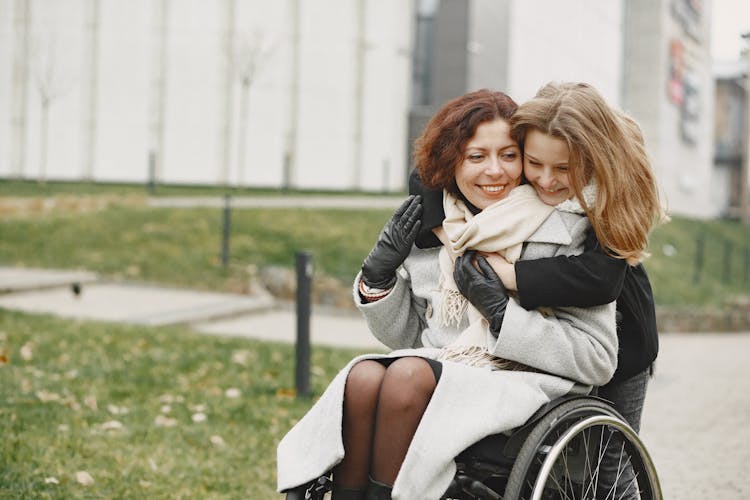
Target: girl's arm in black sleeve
point(589, 279)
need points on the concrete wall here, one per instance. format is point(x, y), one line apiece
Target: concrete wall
point(487, 45)
point(160, 76)
point(669, 90)
point(575, 40)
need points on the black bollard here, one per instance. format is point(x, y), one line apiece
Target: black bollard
point(699, 244)
point(226, 229)
point(728, 250)
point(304, 291)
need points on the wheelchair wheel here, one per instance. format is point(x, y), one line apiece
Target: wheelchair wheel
point(564, 457)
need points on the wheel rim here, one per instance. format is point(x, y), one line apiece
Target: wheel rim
point(572, 466)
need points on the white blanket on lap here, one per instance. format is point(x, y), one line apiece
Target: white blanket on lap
point(460, 413)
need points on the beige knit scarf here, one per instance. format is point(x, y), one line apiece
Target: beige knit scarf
point(500, 228)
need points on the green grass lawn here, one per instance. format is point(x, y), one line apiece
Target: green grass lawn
point(168, 413)
point(146, 412)
point(182, 247)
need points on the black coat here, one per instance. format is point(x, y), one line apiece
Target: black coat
point(594, 278)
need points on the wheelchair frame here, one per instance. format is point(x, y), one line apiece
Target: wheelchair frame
point(557, 454)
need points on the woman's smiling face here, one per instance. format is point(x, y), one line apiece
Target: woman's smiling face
point(545, 166)
point(491, 165)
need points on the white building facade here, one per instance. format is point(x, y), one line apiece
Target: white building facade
point(291, 93)
point(329, 94)
point(651, 58)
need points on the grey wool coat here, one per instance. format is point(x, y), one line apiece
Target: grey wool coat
point(575, 347)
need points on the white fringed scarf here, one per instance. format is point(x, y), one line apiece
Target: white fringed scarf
point(500, 228)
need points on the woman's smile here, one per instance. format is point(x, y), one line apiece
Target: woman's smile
point(491, 166)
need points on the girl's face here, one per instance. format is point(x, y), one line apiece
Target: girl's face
point(491, 165)
point(545, 166)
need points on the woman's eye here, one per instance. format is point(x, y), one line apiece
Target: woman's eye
point(562, 168)
point(476, 157)
point(510, 156)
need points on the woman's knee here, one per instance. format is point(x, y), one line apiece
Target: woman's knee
point(408, 381)
point(364, 381)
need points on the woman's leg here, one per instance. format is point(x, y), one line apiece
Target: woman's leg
point(407, 388)
point(627, 397)
point(360, 403)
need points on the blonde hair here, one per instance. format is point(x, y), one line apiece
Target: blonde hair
point(605, 146)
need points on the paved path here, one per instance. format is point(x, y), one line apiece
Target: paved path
point(696, 421)
point(49, 291)
point(291, 201)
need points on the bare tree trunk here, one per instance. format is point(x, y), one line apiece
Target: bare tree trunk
point(242, 139)
point(21, 28)
point(359, 83)
point(226, 138)
point(159, 91)
point(92, 97)
point(290, 160)
point(44, 134)
point(745, 167)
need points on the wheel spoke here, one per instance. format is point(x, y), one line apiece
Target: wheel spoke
point(583, 451)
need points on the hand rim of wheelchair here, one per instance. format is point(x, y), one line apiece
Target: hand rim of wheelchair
point(535, 445)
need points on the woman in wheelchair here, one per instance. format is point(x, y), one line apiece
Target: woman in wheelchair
point(470, 361)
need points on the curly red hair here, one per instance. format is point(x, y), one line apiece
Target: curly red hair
point(440, 148)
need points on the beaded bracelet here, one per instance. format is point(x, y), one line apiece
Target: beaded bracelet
point(371, 294)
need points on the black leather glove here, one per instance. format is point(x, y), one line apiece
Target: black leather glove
point(393, 245)
point(482, 287)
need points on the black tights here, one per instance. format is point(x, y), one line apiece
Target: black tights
point(383, 403)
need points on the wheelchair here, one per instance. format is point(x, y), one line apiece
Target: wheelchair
point(558, 454)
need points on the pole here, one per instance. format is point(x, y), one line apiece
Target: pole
point(304, 288)
point(745, 167)
point(226, 230)
point(699, 244)
point(728, 247)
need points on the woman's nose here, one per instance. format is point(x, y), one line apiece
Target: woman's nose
point(546, 179)
point(494, 166)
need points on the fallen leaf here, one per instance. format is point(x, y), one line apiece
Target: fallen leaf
point(233, 393)
point(117, 410)
point(84, 478)
point(111, 425)
point(217, 441)
point(199, 417)
point(46, 396)
point(165, 408)
point(91, 402)
point(241, 357)
point(27, 351)
point(51, 480)
point(162, 421)
point(283, 392)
